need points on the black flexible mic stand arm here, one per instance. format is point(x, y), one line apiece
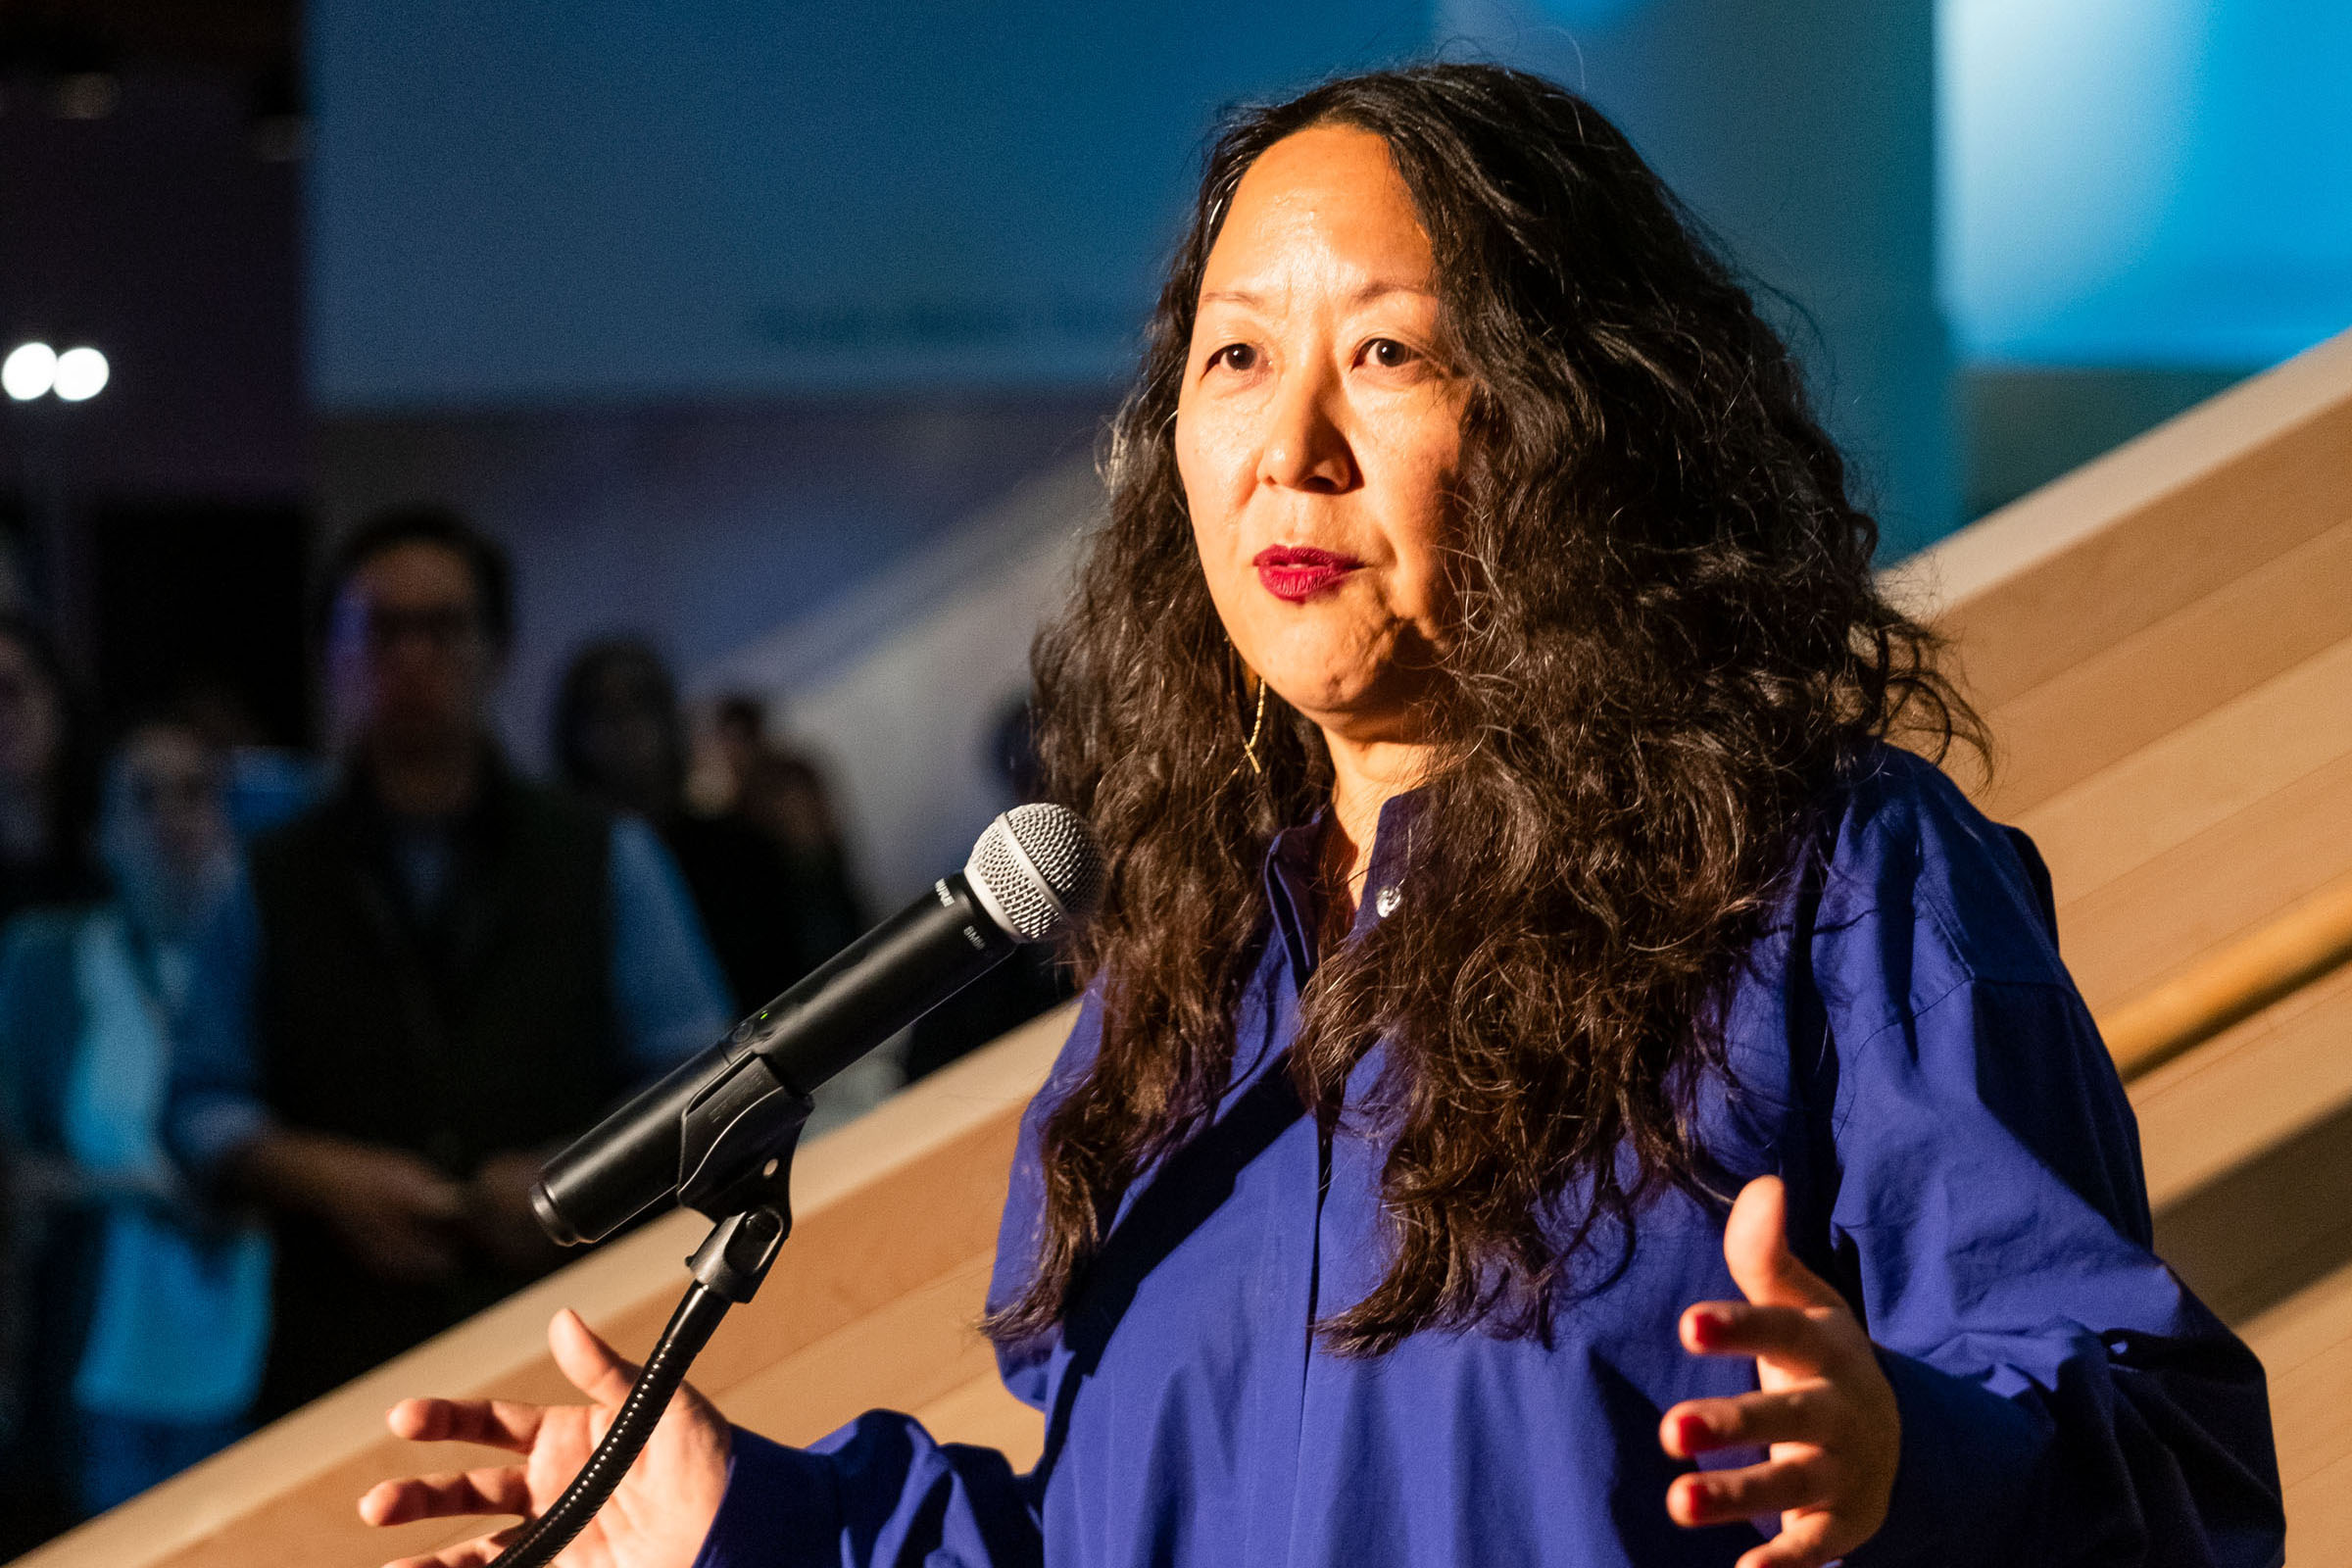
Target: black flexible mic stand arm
point(748, 1113)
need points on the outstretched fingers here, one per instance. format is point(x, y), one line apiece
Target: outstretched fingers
point(1794, 1339)
point(1823, 1408)
point(1727, 1497)
point(492, 1423)
point(451, 1495)
point(1808, 1412)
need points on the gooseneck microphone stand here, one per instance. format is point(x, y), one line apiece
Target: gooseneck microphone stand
point(754, 1216)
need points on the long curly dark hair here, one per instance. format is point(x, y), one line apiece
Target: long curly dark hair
point(1671, 646)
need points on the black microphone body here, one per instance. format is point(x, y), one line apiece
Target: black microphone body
point(712, 1125)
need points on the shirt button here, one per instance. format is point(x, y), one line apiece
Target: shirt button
point(1385, 903)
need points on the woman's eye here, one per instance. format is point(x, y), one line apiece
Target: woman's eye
point(1389, 354)
point(1233, 357)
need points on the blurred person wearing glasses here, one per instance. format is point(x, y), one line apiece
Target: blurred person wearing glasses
point(443, 973)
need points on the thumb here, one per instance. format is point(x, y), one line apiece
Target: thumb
point(1756, 1245)
point(594, 1367)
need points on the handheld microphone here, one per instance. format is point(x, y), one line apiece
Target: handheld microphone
point(711, 1132)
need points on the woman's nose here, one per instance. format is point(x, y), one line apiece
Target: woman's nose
point(1305, 447)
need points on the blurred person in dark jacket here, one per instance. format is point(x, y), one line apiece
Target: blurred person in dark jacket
point(443, 972)
point(149, 1309)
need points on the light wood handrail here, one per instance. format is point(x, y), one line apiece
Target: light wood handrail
point(2307, 941)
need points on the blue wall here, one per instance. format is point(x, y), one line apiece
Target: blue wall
point(619, 202)
point(2147, 182)
point(614, 199)
point(1805, 136)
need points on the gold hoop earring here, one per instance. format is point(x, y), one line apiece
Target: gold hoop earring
point(1257, 727)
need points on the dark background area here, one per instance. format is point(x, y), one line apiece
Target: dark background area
point(150, 161)
point(202, 601)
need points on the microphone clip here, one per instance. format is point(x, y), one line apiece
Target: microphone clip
point(736, 1140)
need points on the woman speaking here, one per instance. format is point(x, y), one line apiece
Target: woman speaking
point(1556, 1085)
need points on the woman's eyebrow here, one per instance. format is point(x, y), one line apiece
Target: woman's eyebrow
point(1363, 294)
point(1379, 288)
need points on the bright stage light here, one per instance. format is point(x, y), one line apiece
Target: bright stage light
point(28, 370)
point(80, 375)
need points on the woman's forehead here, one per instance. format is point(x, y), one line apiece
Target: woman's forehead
point(1328, 198)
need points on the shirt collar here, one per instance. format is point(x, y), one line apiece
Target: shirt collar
point(1290, 874)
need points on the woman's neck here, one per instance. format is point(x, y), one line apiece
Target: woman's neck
point(1364, 778)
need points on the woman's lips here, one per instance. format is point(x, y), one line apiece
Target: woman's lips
point(1299, 572)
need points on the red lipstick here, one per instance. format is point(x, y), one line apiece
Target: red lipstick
point(1299, 572)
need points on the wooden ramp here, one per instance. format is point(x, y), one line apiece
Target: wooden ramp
point(2162, 642)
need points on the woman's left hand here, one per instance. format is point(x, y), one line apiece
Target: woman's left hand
point(1823, 1406)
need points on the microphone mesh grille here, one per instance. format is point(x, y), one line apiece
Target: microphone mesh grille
point(1067, 874)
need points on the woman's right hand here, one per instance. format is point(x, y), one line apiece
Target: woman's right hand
point(658, 1516)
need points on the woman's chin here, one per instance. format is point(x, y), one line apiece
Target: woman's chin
point(1355, 710)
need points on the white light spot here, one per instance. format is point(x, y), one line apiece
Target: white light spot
point(80, 375)
point(1386, 904)
point(28, 370)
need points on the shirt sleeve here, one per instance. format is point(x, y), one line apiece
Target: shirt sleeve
point(213, 1106)
point(879, 1490)
point(667, 987)
point(2064, 1398)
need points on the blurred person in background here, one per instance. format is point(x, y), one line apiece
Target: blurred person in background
point(620, 740)
point(738, 736)
point(262, 784)
point(148, 1312)
point(47, 776)
point(443, 973)
point(47, 791)
point(782, 794)
point(785, 797)
point(1035, 978)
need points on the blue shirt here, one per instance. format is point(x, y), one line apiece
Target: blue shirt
point(668, 996)
point(1907, 1051)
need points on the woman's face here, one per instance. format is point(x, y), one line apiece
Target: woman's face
point(172, 786)
point(1318, 434)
